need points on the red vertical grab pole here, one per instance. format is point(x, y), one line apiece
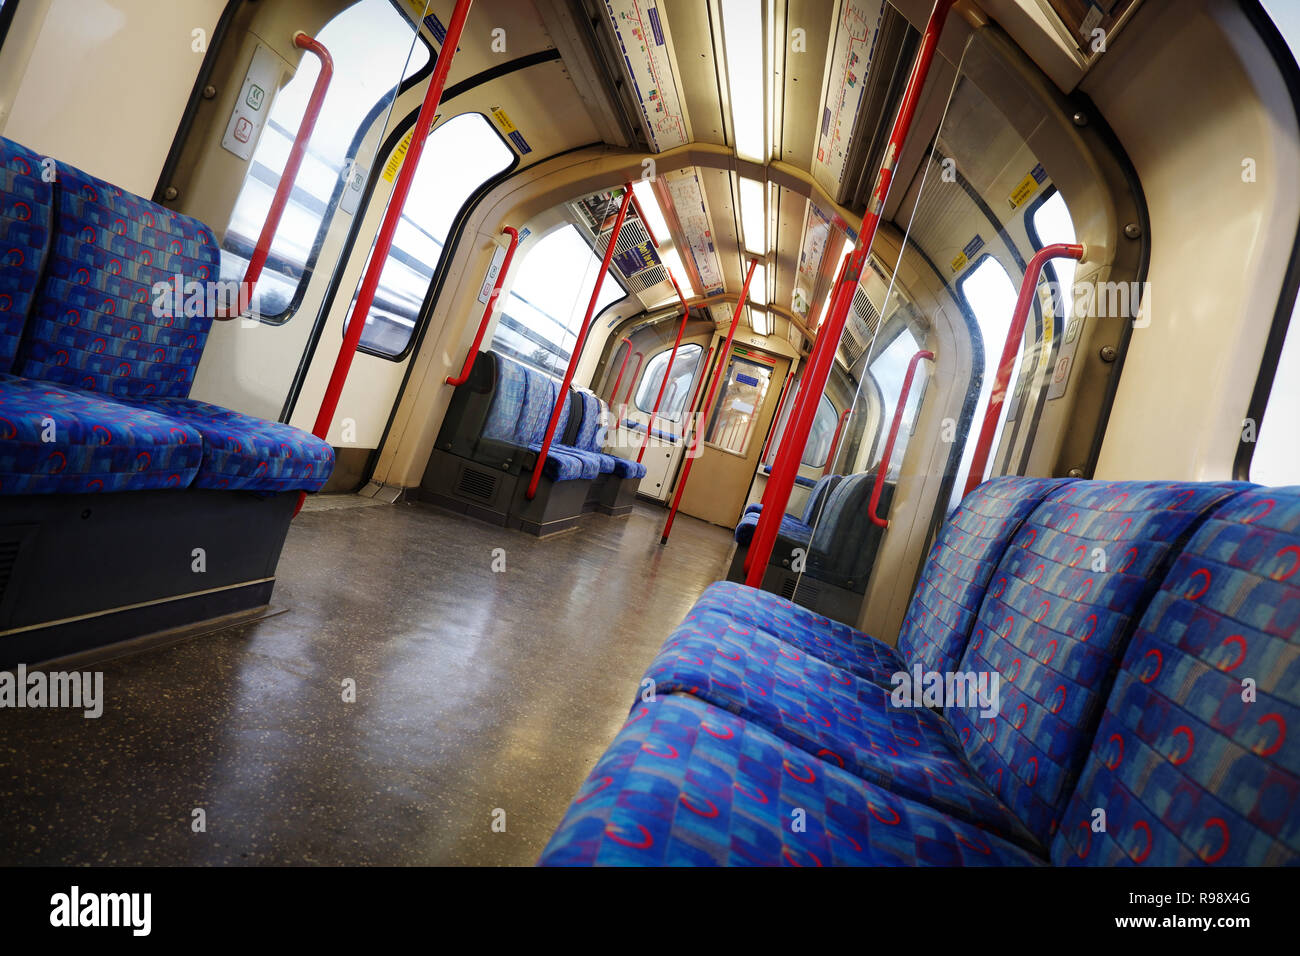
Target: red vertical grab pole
point(786, 466)
point(563, 395)
point(686, 314)
point(613, 395)
point(1028, 286)
point(694, 432)
point(631, 383)
point(392, 216)
point(290, 175)
point(699, 387)
point(463, 377)
point(776, 422)
point(874, 505)
point(835, 442)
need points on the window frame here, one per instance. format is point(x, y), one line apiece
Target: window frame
point(332, 205)
point(453, 231)
point(1288, 64)
point(7, 13)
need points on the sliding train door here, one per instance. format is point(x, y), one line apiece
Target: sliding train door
point(733, 435)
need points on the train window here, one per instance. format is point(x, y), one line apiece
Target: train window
point(1050, 222)
point(889, 369)
point(6, 17)
point(541, 317)
point(366, 40)
point(737, 406)
point(1276, 458)
point(461, 155)
point(678, 390)
point(991, 296)
point(820, 435)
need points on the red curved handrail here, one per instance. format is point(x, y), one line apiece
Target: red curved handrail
point(631, 384)
point(563, 396)
point(708, 402)
point(287, 178)
point(835, 442)
point(686, 315)
point(776, 422)
point(463, 377)
point(873, 507)
point(1028, 287)
point(786, 466)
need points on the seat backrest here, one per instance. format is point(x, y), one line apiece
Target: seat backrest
point(1058, 614)
point(26, 216)
point(588, 437)
point(107, 317)
point(508, 398)
point(817, 497)
point(1196, 758)
point(951, 588)
point(845, 541)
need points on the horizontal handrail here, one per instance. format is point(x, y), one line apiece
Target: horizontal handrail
point(1028, 286)
point(463, 377)
point(873, 507)
point(257, 262)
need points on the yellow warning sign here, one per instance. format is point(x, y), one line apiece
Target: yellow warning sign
point(399, 152)
point(1028, 186)
point(503, 120)
point(959, 263)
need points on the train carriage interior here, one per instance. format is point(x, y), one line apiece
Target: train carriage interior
point(650, 433)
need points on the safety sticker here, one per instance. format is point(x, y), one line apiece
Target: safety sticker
point(511, 131)
point(399, 152)
point(1028, 186)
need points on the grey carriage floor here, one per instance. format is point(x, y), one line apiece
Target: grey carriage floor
point(477, 692)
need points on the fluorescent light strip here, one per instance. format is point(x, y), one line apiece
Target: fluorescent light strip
point(753, 216)
point(742, 42)
point(758, 285)
point(673, 263)
point(645, 195)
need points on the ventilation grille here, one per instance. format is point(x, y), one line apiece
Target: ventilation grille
point(477, 484)
point(859, 330)
point(800, 590)
point(644, 280)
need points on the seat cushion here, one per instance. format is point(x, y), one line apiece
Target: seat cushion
point(1187, 769)
point(830, 714)
point(624, 468)
point(687, 784)
point(26, 210)
point(951, 588)
point(810, 632)
point(1061, 608)
point(791, 528)
point(564, 463)
point(98, 323)
point(65, 441)
point(243, 452)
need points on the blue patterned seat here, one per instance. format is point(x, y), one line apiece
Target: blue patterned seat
point(57, 440)
point(830, 714)
point(1196, 759)
point(687, 784)
point(26, 210)
point(1062, 606)
point(521, 408)
point(948, 595)
point(791, 528)
point(243, 452)
point(98, 323)
point(591, 438)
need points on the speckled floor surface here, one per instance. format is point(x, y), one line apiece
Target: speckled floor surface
point(476, 692)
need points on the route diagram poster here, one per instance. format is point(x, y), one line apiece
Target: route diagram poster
point(641, 32)
point(697, 228)
point(855, 44)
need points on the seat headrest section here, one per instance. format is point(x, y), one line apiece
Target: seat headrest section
point(26, 220)
point(1060, 610)
point(130, 290)
point(1196, 758)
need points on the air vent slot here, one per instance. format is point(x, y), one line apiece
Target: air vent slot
point(477, 484)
